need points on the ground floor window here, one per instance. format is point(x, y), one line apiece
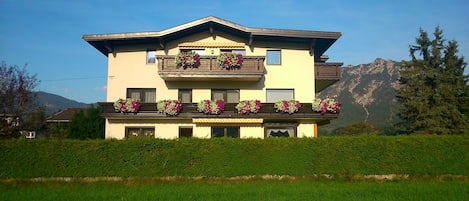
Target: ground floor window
point(139, 132)
point(280, 130)
point(225, 131)
point(185, 132)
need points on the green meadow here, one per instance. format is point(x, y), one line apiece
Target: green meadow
point(210, 189)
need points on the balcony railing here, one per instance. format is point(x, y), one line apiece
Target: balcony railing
point(327, 74)
point(252, 69)
point(328, 71)
point(189, 111)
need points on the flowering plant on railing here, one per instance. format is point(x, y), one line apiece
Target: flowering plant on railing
point(289, 107)
point(127, 105)
point(248, 106)
point(230, 60)
point(169, 107)
point(187, 60)
point(211, 107)
point(328, 104)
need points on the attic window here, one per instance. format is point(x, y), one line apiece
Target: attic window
point(198, 51)
point(235, 51)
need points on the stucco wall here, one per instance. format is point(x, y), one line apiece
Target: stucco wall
point(127, 68)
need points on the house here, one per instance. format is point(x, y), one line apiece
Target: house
point(11, 125)
point(213, 59)
point(64, 116)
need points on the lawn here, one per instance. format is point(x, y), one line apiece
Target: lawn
point(216, 189)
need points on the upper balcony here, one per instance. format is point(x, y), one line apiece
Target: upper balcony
point(252, 69)
point(327, 74)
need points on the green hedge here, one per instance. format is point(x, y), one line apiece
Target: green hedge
point(414, 155)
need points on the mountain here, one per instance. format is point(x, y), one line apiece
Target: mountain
point(54, 103)
point(367, 94)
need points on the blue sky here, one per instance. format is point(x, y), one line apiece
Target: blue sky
point(46, 34)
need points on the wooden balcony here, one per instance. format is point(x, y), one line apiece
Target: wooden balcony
point(189, 111)
point(252, 69)
point(327, 74)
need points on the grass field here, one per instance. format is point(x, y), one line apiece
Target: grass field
point(215, 189)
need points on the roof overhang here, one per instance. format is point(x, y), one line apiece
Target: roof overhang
point(318, 41)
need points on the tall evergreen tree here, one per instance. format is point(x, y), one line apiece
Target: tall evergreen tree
point(434, 90)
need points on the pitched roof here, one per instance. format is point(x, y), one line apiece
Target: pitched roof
point(320, 41)
point(64, 115)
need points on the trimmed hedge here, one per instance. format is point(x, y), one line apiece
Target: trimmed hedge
point(414, 155)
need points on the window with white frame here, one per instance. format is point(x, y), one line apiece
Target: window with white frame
point(198, 51)
point(131, 132)
point(235, 51)
point(147, 95)
point(274, 95)
point(274, 57)
point(280, 129)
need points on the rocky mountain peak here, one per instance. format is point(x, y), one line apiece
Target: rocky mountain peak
point(366, 91)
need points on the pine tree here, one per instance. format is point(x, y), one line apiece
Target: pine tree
point(434, 90)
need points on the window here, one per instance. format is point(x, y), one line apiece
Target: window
point(151, 56)
point(280, 130)
point(228, 131)
point(185, 132)
point(131, 132)
point(185, 95)
point(147, 95)
point(227, 95)
point(198, 51)
point(273, 57)
point(236, 51)
point(274, 95)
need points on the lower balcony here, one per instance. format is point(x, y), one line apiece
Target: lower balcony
point(252, 69)
point(189, 111)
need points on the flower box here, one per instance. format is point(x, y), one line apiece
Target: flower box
point(289, 107)
point(211, 107)
point(230, 60)
point(248, 106)
point(169, 107)
point(326, 105)
point(187, 60)
point(128, 105)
